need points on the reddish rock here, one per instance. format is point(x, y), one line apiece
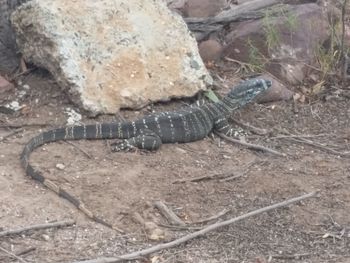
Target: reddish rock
point(296, 38)
point(5, 85)
point(204, 8)
point(177, 6)
point(277, 92)
point(210, 50)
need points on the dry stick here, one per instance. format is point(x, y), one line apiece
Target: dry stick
point(245, 11)
point(168, 214)
point(233, 14)
point(298, 136)
point(15, 126)
point(10, 134)
point(180, 228)
point(37, 227)
point(22, 252)
point(319, 146)
point(80, 149)
point(234, 176)
point(214, 217)
point(13, 255)
point(250, 145)
point(25, 251)
point(203, 178)
point(246, 170)
point(296, 256)
point(21, 73)
point(176, 242)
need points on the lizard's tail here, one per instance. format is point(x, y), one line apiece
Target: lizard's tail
point(70, 133)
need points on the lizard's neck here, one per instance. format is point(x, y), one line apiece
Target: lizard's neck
point(227, 105)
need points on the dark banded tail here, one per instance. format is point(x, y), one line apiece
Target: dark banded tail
point(98, 131)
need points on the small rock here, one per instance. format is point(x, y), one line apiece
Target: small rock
point(45, 237)
point(21, 93)
point(26, 86)
point(60, 166)
point(14, 105)
point(154, 232)
point(5, 85)
point(210, 50)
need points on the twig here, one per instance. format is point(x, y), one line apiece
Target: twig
point(80, 149)
point(22, 73)
point(296, 256)
point(13, 255)
point(10, 134)
point(15, 126)
point(179, 228)
point(250, 145)
point(203, 178)
point(214, 217)
point(25, 251)
point(168, 214)
point(37, 227)
point(252, 128)
point(246, 169)
point(193, 235)
point(234, 177)
point(20, 253)
point(319, 146)
point(298, 136)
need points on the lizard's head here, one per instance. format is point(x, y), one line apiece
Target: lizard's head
point(246, 91)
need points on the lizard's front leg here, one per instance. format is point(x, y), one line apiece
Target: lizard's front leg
point(146, 140)
point(221, 125)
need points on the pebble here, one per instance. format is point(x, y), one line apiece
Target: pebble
point(60, 166)
point(26, 86)
point(14, 105)
point(45, 237)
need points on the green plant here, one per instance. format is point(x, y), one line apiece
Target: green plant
point(255, 58)
point(328, 56)
point(271, 32)
point(292, 22)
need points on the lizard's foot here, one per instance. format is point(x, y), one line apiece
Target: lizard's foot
point(148, 140)
point(236, 132)
point(122, 146)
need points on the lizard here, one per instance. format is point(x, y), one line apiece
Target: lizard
point(148, 133)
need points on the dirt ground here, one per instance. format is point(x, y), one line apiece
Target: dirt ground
point(117, 185)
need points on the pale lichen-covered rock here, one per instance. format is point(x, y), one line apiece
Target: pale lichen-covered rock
point(111, 54)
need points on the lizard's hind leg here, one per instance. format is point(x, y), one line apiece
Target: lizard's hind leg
point(222, 125)
point(147, 140)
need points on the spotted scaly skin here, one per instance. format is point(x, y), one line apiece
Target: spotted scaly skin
point(148, 133)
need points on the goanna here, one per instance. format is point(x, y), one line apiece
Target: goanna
point(186, 125)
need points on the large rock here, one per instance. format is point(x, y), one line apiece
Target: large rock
point(210, 50)
point(204, 8)
point(9, 58)
point(111, 54)
point(287, 42)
